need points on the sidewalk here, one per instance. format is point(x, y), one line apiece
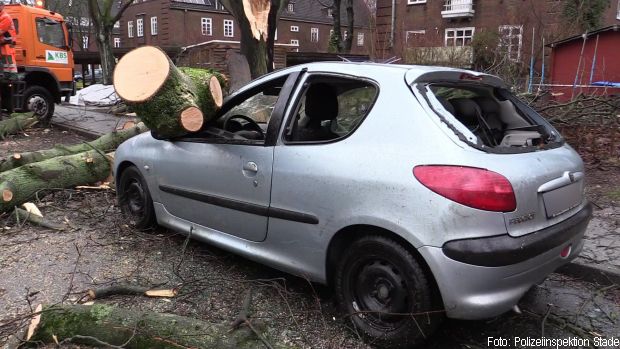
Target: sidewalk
point(599, 261)
point(87, 121)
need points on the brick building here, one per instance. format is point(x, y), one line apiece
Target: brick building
point(437, 29)
point(304, 25)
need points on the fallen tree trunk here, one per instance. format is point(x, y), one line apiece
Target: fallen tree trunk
point(20, 184)
point(105, 143)
point(168, 101)
point(17, 122)
point(106, 325)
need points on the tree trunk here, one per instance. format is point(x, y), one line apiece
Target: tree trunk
point(103, 34)
point(92, 325)
point(337, 26)
point(258, 20)
point(105, 143)
point(168, 101)
point(19, 185)
point(348, 43)
point(17, 122)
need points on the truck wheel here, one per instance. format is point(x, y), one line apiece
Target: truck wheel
point(40, 101)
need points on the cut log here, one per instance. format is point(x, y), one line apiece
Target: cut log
point(87, 324)
point(168, 101)
point(20, 184)
point(16, 123)
point(105, 143)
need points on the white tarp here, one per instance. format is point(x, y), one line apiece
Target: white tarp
point(96, 95)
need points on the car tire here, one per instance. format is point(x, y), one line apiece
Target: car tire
point(39, 101)
point(135, 200)
point(378, 275)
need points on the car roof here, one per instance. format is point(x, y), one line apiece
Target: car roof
point(410, 73)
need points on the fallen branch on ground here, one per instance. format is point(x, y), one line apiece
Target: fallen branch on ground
point(16, 123)
point(105, 143)
point(129, 290)
point(135, 329)
point(20, 184)
point(23, 215)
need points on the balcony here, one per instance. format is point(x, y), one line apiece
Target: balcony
point(458, 9)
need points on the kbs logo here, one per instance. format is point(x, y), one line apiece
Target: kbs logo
point(60, 57)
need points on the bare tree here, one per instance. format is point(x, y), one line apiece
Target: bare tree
point(103, 21)
point(258, 20)
point(336, 40)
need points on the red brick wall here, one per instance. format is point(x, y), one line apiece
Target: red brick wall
point(543, 15)
point(178, 27)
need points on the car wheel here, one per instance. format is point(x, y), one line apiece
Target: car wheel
point(379, 284)
point(39, 101)
point(135, 200)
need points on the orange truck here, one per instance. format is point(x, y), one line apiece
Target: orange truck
point(44, 62)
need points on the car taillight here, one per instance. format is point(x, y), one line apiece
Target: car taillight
point(473, 187)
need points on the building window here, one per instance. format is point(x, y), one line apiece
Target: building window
point(294, 28)
point(130, 29)
point(360, 39)
point(140, 27)
point(618, 12)
point(207, 26)
point(459, 36)
point(345, 35)
point(413, 2)
point(511, 40)
point(413, 38)
point(228, 28)
point(117, 42)
point(291, 8)
point(295, 42)
point(153, 25)
point(314, 35)
point(85, 42)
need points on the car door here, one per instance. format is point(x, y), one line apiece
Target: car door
point(224, 182)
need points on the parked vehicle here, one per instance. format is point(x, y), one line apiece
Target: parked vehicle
point(415, 192)
point(77, 76)
point(44, 61)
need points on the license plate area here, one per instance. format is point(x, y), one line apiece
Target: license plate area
point(563, 199)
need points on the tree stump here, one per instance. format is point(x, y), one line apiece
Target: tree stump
point(166, 100)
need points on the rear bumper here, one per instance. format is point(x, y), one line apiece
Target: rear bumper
point(477, 292)
point(504, 249)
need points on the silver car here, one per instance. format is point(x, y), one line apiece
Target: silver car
point(415, 192)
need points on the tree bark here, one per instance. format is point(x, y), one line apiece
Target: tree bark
point(92, 325)
point(20, 184)
point(17, 122)
point(168, 101)
point(105, 143)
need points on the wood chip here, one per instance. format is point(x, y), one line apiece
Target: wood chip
point(34, 322)
point(32, 208)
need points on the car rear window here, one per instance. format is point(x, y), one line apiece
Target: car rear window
point(489, 118)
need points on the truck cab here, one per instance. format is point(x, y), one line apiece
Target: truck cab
point(44, 61)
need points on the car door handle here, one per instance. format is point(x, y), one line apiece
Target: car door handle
point(250, 167)
point(40, 56)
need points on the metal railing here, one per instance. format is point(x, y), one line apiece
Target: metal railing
point(458, 6)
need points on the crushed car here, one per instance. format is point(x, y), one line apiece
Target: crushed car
point(417, 193)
